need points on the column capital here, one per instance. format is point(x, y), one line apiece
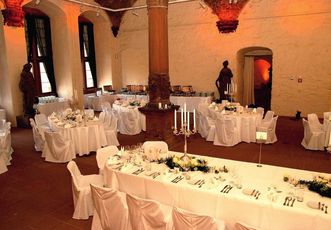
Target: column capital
point(157, 3)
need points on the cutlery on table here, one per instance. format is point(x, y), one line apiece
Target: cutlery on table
point(179, 179)
point(156, 175)
point(322, 207)
point(229, 188)
point(326, 209)
point(197, 182)
point(253, 193)
point(285, 200)
point(258, 194)
point(201, 183)
point(288, 201)
point(292, 202)
point(173, 181)
point(225, 187)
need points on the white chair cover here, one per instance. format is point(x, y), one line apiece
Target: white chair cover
point(105, 106)
point(267, 118)
point(57, 149)
point(312, 139)
point(260, 110)
point(2, 114)
point(326, 117)
point(81, 191)
point(241, 226)
point(129, 123)
point(189, 221)
point(270, 128)
point(110, 125)
point(226, 133)
point(41, 121)
point(103, 154)
point(5, 148)
point(111, 209)
point(314, 122)
point(145, 214)
point(38, 136)
point(102, 117)
point(161, 145)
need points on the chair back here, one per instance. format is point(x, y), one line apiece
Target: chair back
point(104, 153)
point(75, 174)
point(89, 113)
point(102, 116)
point(105, 106)
point(161, 145)
point(186, 220)
point(109, 204)
point(307, 131)
point(268, 116)
point(41, 119)
point(260, 110)
point(145, 214)
point(314, 122)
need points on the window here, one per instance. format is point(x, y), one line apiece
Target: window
point(38, 40)
point(87, 55)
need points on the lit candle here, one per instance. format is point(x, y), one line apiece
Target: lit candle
point(182, 117)
point(160, 105)
point(185, 112)
point(194, 122)
point(188, 120)
point(175, 114)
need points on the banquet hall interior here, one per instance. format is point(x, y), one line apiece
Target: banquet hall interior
point(127, 73)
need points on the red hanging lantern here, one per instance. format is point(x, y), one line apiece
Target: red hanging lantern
point(13, 13)
point(227, 12)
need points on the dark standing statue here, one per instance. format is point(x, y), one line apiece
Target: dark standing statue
point(223, 79)
point(28, 88)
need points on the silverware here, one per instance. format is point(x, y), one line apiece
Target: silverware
point(258, 194)
point(288, 201)
point(137, 172)
point(174, 180)
point(229, 188)
point(179, 179)
point(202, 183)
point(326, 209)
point(322, 208)
point(156, 175)
point(292, 202)
point(285, 200)
point(197, 182)
point(252, 194)
point(224, 188)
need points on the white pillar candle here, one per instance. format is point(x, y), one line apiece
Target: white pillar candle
point(185, 112)
point(175, 118)
point(181, 118)
point(160, 105)
point(188, 120)
point(194, 122)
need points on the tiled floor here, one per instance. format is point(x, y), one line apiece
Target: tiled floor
point(35, 194)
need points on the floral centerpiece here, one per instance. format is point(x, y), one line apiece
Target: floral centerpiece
point(134, 103)
point(194, 164)
point(230, 107)
point(320, 184)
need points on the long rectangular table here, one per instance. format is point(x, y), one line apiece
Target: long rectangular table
point(232, 207)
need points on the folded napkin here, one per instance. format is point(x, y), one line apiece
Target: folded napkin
point(313, 204)
point(67, 126)
point(95, 118)
point(247, 191)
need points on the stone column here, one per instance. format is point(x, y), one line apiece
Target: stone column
point(158, 79)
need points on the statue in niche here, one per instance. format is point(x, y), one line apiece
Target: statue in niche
point(223, 79)
point(28, 88)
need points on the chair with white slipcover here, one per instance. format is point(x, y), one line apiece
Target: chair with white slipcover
point(163, 146)
point(105, 106)
point(5, 147)
point(147, 214)
point(241, 226)
point(57, 149)
point(81, 191)
point(89, 113)
point(129, 124)
point(111, 211)
point(38, 136)
point(314, 121)
point(313, 138)
point(326, 118)
point(226, 132)
point(206, 125)
point(103, 154)
point(41, 121)
point(189, 221)
point(260, 110)
point(270, 128)
point(267, 118)
point(109, 121)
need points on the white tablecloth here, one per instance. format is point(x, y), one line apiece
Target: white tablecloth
point(85, 138)
point(328, 135)
point(49, 108)
point(191, 102)
point(234, 206)
point(95, 102)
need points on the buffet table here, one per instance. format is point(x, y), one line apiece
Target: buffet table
point(186, 191)
point(191, 102)
point(49, 108)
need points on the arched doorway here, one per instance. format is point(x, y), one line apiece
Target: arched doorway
point(255, 76)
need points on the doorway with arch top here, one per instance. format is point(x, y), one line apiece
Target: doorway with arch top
point(255, 77)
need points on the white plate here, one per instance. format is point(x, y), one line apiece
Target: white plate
point(313, 204)
point(248, 191)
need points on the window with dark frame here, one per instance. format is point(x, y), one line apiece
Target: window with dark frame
point(39, 52)
point(87, 55)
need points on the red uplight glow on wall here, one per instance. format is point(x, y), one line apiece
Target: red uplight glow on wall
point(13, 13)
point(261, 72)
point(227, 13)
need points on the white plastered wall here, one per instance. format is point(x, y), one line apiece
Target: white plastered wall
point(297, 32)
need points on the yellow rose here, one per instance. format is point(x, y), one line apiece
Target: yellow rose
point(175, 160)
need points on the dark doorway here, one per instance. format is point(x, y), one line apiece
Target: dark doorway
point(263, 81)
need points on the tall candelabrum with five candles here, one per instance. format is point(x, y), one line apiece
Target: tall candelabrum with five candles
point(184, 128)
